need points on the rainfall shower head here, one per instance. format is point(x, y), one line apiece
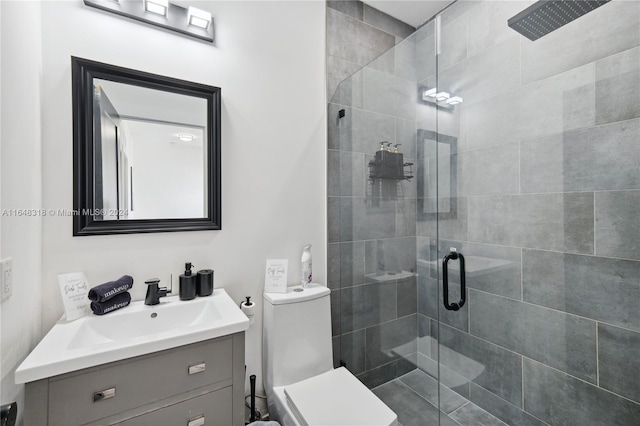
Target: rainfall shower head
point(545, 16)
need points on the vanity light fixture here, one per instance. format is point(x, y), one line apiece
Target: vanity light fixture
point(439, 99)
point(199, 18)
point(431, 93)
point(160, 7)
point(442, 96)
point(190, 21)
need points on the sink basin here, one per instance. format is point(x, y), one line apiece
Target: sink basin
point(140, 322)
point(132, 331)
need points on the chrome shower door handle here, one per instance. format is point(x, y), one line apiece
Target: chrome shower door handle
point(445, 282)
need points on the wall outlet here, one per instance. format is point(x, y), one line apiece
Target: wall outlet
point(6, 278)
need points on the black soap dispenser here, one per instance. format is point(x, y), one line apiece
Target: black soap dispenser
point(187, 283)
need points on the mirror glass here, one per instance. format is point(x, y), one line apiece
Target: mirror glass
point(437, 175)
point(151, 151)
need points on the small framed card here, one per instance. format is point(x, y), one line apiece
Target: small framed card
point(275, 278)
point(74, 289)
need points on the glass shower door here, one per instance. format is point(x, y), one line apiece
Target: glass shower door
point(537, 186)
point(378, 252)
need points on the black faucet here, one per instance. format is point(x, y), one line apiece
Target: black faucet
point(154, 292)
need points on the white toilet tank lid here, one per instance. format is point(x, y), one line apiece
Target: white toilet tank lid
point(297, 294)
point(337, 398)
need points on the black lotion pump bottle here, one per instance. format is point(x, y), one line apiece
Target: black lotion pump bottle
point(187, 283)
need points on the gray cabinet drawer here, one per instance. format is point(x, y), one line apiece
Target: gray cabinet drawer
point(212, 409)
point(137, 382)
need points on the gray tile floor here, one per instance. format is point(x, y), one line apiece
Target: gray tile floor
point(414, 398)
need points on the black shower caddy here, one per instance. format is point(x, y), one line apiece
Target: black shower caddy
point(389, 164)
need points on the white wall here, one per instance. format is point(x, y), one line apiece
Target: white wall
point(268, 59)
point(21, 186)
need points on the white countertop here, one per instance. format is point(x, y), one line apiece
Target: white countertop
point(132, 331)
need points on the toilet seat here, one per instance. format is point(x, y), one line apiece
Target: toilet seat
point(337, 398)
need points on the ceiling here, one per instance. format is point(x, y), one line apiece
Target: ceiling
point(413, 12)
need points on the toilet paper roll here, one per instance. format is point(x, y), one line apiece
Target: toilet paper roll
point(249, 310)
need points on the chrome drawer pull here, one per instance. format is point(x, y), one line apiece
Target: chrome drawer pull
point(197, 368)
point(198, 421)
point(104, 394)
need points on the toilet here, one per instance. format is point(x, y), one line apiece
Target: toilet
point(301, 384)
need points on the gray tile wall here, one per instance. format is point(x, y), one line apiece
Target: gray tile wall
point(372, 228)
point(548, 194)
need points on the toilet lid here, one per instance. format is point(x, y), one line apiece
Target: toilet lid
point(337, 398)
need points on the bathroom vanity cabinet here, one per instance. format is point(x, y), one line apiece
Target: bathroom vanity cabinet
point(192, 385)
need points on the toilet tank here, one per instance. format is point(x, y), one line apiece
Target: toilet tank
point(296, 335)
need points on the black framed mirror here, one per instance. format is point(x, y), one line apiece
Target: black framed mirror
point(146, 152)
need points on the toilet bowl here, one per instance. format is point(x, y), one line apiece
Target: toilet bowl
point(301, 384)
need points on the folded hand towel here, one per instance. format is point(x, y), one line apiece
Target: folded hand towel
point(104, 292)
point(116, 302)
